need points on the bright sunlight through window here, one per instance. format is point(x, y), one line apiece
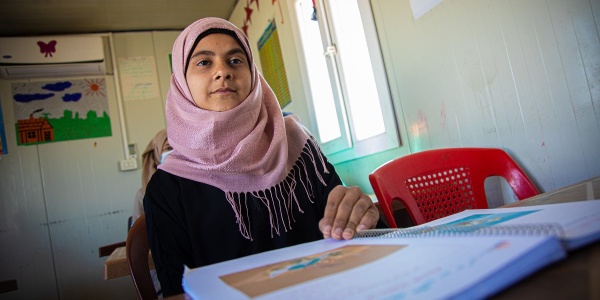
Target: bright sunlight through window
point(362, 93)
point(324, 104)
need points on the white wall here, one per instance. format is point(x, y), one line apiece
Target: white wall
point(523, 75)
point(60, 202)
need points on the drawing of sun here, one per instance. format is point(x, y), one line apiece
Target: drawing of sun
point(95, 87)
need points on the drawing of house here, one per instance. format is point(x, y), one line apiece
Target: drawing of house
point(34, 130)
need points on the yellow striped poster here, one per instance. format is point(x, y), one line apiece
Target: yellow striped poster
point(272, 64)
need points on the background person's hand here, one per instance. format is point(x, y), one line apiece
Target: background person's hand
point(348, 210)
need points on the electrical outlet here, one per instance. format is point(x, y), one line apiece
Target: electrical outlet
point(128, 164)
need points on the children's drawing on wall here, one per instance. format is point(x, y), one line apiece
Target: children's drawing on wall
point(60, 110)
point(3, 149)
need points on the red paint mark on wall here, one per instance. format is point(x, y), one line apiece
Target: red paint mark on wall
point(443, 116)
point(420, 126)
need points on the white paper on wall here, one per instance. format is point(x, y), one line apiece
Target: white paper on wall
point(421, 7)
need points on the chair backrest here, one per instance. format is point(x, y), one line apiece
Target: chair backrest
point(137, 250)
point(436, 183)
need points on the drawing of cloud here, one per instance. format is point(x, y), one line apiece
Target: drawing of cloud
point(71, 97)
point(24, 98)
point(57, 87)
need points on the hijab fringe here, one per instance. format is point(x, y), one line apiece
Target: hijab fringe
point(319, 153)
point(283, 196)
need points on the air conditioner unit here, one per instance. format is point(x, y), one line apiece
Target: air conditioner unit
point(51, 56)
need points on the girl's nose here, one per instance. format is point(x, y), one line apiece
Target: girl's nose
point(222, 72)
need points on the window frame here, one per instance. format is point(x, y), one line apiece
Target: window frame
point(347, 146)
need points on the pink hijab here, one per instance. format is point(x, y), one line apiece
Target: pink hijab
point(250, 149)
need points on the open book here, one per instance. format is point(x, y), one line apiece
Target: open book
point(469, 266)
point(575, 223)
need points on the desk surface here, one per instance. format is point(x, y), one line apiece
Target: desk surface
point(116, 264)
point(576, 277)
point(585, 190)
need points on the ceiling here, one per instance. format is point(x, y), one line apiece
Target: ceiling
point(51, 17)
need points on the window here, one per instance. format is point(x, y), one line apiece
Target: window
point(348, 87)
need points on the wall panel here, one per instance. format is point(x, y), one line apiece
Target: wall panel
point(25, 244)
point(60, 202)
point(519, 75)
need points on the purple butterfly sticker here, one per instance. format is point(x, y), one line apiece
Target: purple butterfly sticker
point(47, 49)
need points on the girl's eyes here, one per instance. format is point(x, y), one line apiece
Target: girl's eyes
point(233, 61)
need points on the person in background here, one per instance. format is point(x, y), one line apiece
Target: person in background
point(242, 177)
point(153, 155)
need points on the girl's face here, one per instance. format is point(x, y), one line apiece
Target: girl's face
point(218, 73)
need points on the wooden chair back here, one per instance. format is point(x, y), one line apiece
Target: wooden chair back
point(137, 251)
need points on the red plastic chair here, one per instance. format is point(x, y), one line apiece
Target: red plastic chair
point(436, 183)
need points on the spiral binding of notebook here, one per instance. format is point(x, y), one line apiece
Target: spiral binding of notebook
point(473, 230)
